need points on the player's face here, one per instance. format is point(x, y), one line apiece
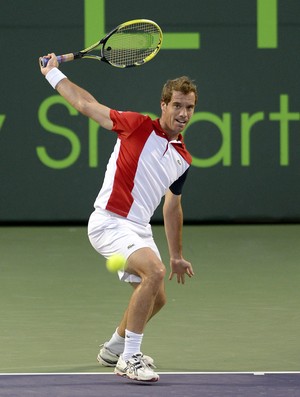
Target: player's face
point(177, 113)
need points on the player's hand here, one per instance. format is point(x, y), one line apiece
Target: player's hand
point(52, 63)
point(180, 267)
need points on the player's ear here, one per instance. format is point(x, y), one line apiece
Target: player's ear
point(163, 106)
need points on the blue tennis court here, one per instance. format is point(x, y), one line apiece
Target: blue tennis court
point(170, 384)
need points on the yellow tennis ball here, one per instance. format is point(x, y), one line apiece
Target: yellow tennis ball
point(115, 262)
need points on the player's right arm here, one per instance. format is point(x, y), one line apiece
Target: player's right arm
point(85, 103)
point(79, 98)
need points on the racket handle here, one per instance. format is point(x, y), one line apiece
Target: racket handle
point(60, 59)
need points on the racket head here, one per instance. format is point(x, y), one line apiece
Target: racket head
point(133, 43)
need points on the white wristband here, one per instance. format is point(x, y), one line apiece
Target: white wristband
point(55, 76)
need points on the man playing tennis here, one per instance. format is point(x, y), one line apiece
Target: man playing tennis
point(149, 161)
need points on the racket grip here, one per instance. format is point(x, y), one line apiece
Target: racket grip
point(60, 59)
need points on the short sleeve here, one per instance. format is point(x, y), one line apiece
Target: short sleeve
point(124, 123)
point(176, 187)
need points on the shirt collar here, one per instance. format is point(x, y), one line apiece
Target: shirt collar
point(159, 131)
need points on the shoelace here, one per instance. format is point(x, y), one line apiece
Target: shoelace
point(138, 362)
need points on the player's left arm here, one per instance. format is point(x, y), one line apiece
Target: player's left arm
point(173, 221)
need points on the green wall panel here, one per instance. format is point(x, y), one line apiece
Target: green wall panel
point(244, 137)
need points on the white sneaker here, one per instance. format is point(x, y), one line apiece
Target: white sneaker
point(136, 368)
point(109, 359)
point(106, 357)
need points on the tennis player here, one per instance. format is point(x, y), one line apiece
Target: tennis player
point(149, 161)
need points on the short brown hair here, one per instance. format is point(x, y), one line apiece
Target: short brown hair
point(183, 84)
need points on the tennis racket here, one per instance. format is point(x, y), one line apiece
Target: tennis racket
point(132, 43)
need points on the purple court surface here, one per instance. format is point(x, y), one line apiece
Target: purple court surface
point(285, 384)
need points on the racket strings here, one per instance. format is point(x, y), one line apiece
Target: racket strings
point(132, 44)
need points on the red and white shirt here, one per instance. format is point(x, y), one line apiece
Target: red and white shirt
point(143, 165)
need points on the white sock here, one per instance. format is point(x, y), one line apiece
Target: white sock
point(133, 343)
point(116, 343)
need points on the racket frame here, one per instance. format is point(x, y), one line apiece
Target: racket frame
point(86, 53)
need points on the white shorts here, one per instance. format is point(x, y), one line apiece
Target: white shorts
point(110, 234)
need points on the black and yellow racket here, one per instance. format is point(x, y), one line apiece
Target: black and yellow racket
point(132, 43)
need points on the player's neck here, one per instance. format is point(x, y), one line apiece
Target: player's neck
point(171, 135)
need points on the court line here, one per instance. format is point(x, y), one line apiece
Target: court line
point(160, 373)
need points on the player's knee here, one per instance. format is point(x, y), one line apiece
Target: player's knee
point(158, 273)
point(154, 275)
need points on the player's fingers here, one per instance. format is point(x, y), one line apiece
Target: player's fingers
point(180, 278)
point(171, 276)
point(40, 60)
point(41, 63)
point(190, 271)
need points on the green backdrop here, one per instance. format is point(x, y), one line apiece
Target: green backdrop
point(244, 138)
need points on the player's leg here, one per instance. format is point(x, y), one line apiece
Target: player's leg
point(160, 301)
point(145, 264)
point(110, 351)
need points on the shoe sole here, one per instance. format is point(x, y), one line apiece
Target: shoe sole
point(112, 364)
point(123, 375)
point(105, 363)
